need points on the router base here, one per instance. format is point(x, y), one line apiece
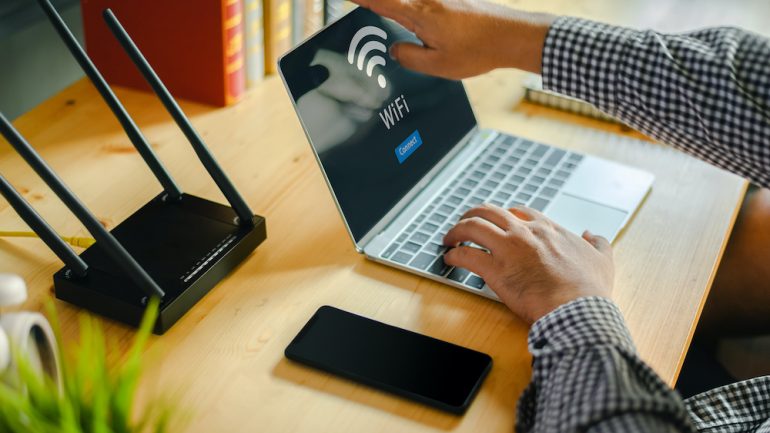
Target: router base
point(187, 247)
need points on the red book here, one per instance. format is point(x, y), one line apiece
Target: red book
point(195, 46)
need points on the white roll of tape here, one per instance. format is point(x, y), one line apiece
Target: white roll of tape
point(5, 352)
point(32, 336)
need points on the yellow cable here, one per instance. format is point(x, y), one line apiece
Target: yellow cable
point(75, 241)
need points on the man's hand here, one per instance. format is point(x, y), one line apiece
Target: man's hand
point(533, 264)
point(464, 38)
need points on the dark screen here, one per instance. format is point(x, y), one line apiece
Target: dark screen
point(393, 359)
point(376, 135)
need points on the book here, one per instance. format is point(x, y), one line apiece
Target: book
point(334, 9)
point(297, 21)
point(195, 46)
point(314, 17)
point(534, 93)
point(277, 25)
point(255, 53)
point(308, 18)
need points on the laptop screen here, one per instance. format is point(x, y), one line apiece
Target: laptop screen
point(376, 127)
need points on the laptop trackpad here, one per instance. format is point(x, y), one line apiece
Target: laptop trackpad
point(578, 215)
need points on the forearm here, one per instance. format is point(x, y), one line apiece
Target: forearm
point(706, 92)
point(587, 377)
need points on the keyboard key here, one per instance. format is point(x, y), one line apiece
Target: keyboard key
point(420, 238)
point(538, 180)
point(539, 204)
point(506, 167)
point(507, 141)
point(411, 247)
point(477, 174)
point(483, 193)
point(530, 188)
point(389, 252)
point(498, 176)
point(519, 152)
point(419, 219)
point(548, 192)
point(411, 228)
point(513, 159)
point(475, 201)
point(455, 200)
point(401, 257)
point(470, 183)
point(523, 197)
point(556, 183)
point(446, 209)
point(422, 261)
point(530, 163)
point(498, 150)
point(509, 187)
point(497, 203)
point(463, 192)
point(491, 184)
point(475, 281)
point(437, 218)
point(574, 157)
point(555, 157)
point(458, 274)
point(523, 171)
point(434, 248)
point(402, 237)
point(569, 166)
point(493, 158)
point(439, 267)
point(517, 179)
point(543, 172)
point(486, 166)
point(540, 150)
point(429, 228)
point(502, 196)
point(525, 144)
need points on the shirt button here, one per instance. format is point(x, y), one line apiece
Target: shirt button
point(540, 343)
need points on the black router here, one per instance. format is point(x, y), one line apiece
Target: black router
point(177, 247)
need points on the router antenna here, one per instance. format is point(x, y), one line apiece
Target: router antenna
point(42, 229)
point(245, 216)
point(103, 238)
point(136, 137)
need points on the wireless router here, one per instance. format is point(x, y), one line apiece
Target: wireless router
point(177, 247)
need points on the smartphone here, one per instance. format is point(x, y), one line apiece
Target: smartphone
point(440, 374)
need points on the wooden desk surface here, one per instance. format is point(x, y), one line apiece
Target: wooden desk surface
point(224, 360)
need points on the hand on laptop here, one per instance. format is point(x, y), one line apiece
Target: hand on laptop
point(533, 264)
point(464, 38)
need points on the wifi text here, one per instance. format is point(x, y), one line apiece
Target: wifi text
point(394, 112)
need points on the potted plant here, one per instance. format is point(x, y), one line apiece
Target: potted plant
point(90, 395)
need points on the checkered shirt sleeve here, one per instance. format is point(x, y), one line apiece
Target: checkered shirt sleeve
point(705, 92)
point(587, 377)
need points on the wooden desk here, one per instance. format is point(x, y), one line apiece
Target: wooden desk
point(224, 360)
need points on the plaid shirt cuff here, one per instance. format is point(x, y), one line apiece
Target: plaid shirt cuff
point(589, 321)
point(581, 58)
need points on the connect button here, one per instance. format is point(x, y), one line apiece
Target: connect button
point(408, 146)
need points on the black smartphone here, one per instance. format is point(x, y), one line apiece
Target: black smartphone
point(405, 363)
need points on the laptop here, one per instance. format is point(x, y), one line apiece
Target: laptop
point(404, 156)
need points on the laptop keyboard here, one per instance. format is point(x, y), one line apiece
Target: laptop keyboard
point(510, 172)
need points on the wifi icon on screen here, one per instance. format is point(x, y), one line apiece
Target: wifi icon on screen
point(372, 45)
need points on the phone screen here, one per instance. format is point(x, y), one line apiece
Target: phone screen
point(392, 359)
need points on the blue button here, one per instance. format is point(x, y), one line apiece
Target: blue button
point(408, 146)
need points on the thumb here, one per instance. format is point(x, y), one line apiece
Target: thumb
point(599, 242)
point(415, 57)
